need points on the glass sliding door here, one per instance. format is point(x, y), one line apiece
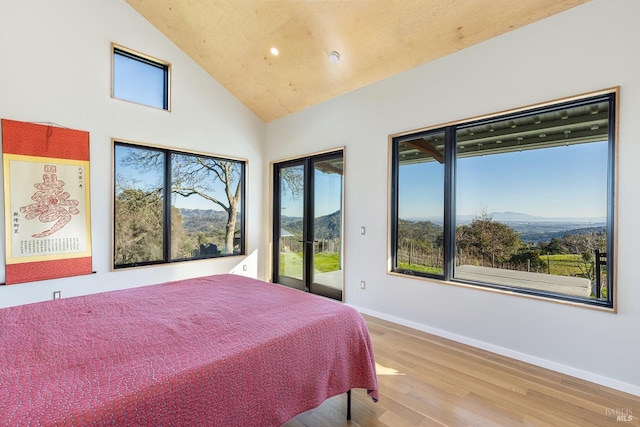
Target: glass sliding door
point(290, 227)
point(308, 224)
point(326, 255)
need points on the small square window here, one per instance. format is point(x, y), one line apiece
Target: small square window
point(139, 78)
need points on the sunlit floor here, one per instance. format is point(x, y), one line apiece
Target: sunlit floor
point(425, 380)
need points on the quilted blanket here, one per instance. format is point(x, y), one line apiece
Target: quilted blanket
point(221, 350)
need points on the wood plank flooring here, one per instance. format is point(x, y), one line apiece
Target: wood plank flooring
point(425, 380)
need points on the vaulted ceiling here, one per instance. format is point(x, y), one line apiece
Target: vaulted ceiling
point(375, 39)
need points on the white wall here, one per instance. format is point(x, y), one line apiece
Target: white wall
point(56, 67)
point(591, 47)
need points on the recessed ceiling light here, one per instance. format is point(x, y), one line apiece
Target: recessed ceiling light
point(275, 51)
point(334, 57)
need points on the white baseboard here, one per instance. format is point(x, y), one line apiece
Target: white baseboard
point(558, 367)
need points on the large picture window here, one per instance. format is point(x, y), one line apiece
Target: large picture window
point(521, 202)
point(175, 206)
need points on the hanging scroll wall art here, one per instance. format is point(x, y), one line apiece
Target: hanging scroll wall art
point(47, 205)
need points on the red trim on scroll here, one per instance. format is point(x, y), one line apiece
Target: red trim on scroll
point(47, 204)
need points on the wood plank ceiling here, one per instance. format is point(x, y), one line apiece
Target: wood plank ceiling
point(232, 39)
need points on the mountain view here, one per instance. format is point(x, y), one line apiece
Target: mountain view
point(326, 227)
point(531, 228)
point(203, 220)
point(510, 241)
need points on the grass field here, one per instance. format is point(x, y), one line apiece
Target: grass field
point(420, 268)
point(566, 265)
point(291, 263)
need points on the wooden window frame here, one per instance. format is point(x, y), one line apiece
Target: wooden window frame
point(449, 154)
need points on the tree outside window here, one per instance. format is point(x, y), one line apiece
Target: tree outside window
point(176, 206)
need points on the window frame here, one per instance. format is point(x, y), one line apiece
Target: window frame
point(167, 202)
point(147, 60)
point(611, 95)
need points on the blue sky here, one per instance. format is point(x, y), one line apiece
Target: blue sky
point(567, 181)
point(146, 180)
point(328, 196)
point(138, 82)
point(328, 193)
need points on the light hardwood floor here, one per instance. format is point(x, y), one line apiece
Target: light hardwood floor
point(426, 380)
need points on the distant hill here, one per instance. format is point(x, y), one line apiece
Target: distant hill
point(537, 229)
point(203, 220)
point(514, 216)
point(326, 227)
point(425, 231)
point(508, 217)
point(531, 228)
point(543, 232)
point(521, 217)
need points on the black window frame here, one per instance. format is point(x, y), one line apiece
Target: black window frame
point(164, 66)
point(611, 96)
point(166, 201)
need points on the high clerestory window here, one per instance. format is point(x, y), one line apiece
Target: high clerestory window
point(522, 202)
point(140, 78)
point(175, 206)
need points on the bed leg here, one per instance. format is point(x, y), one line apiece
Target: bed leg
point(349, 405)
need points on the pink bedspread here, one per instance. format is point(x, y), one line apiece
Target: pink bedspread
point(213, 351)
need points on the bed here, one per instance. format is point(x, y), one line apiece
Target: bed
point(222, 350)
